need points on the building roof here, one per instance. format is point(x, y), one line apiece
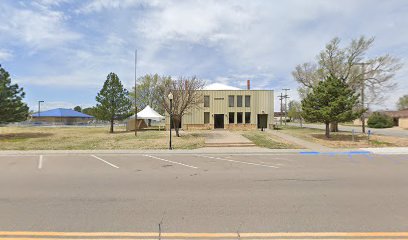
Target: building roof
point(398, 114)
point(148, 113)
point(220, 86)
point(62, 112)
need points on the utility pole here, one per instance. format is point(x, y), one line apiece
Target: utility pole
point(286, 106)
point(135, 94)
point(362, 117)
point(281, 99)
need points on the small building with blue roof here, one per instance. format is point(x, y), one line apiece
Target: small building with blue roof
point(62, 116)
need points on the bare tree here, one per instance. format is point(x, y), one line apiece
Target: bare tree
point(402, 102)
point(186, 96)
point(308, 75)
point(147, 93)
point(349, 64)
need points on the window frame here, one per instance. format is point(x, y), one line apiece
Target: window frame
point(207, 97)
point(248, 103)
point(239, 97)
point(231, 104)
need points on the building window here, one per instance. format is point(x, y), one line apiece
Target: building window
point(231, 100)
point(231, 117)
point(206, 117)
point(239, 101)
point(247, 101)
point(206, 101)
point(239, 117)
point(247, 117)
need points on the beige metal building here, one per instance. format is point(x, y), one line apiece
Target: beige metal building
point(400, 118)
point(226, 107)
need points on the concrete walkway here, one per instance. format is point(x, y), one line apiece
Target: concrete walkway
point(300, 142)
point(225, 138)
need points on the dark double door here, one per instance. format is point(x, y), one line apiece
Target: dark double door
point(262, 120)
point(218, 120)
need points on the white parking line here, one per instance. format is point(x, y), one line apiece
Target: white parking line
point(110, 164)
point(170, 161)
point(285, 159)
point(235, 161)
point(40, 162)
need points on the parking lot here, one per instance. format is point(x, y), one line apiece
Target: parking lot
point(204, 192)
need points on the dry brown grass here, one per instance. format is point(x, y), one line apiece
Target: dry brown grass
point(82, 138)
point(263, 139)
point(344, 139)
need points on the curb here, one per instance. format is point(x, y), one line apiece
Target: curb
point(210, 150)
point(214, 150)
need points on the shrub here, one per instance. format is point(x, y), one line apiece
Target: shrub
point(380, 120)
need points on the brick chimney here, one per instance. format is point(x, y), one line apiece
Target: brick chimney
point(248, 84)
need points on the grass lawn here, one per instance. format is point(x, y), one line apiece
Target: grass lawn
point(344, 139)
point(265, 140)
point(82, 138)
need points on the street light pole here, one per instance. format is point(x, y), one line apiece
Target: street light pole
point(171, 116)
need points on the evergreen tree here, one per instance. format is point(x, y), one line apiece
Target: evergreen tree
point(90, 111)
point(330, 100)
point(78, 108)
point(380, 120)
point(113, 101)
point(12, 108)
point(371, 76)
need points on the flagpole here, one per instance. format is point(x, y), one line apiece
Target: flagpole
point(135, 95)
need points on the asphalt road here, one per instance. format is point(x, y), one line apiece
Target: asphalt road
point(204, 193)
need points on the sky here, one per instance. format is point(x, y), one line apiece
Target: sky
point(60, 51)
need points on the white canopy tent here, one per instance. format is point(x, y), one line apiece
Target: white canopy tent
point(148, 113)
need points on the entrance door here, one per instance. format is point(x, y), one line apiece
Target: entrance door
point(262, 120)
point(396, 122)
point(218, 120)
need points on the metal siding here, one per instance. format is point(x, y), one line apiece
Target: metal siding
point(261, 100)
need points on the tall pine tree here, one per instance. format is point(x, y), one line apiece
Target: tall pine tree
point(113, 101)
point(330, 101)
point(12, 107)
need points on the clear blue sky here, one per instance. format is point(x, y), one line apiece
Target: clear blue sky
point(60, 51)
